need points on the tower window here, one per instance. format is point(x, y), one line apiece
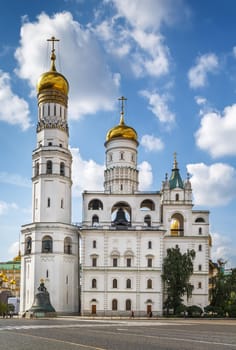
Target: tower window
point(128, 262)
point(47, 274)
point(149, 283)
point(36, 168)
point(114, 283)
point(49, 203)
point(68, 245)
point(95, 220)
point(199, 285)
point(94, 244)
point(115, 262)
point(199, 267)
point(200, 231)
point(94, 283)
point(62, 203)
point(149, 244)
point(122, 155)
point(94, 262)
point(28, 245)
point(49, 167)
point(128, 305)
point(149, 262)
point(47, 244)
point(200, 248)
point(147, 220)
point(62, 169)
point(128, 283)
point(177, 197)
point(114, 304)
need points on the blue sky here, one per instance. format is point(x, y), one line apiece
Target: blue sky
point(175, 62)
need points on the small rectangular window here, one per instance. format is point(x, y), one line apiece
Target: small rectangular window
point(94, 244)
point(149, 262)
point(128, 262)
point(94, 262)
point(115, 262)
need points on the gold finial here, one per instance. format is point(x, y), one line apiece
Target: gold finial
point(53, 56)
point(122, 99)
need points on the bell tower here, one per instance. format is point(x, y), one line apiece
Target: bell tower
point(50, 242)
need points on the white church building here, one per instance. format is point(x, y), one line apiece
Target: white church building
point(124, 234)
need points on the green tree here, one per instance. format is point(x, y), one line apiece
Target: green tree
point(177, 270)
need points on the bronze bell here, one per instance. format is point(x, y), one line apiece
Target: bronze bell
point(42, 304)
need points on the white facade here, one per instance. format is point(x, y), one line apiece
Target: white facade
point(122, 253)
point(50, 244)
point(124, 233)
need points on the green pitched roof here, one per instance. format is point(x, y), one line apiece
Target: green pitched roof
point(175, 179)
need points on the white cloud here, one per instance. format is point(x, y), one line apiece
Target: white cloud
point(217, 133)
point(213, 185)
point(13, 249)
point(151, 143)
point(234, 51)
point(222, 248)
point(153, 59)
point(86, 174)
point(5, 207)
point(93, 86)
point(205, 64)
point(14, 179)
point(14, 110)
point(151, 14)
point(145, 176)
point(158, 106)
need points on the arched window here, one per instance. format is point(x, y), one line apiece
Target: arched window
point(95, 220)
point(200, 248)
point(36, 168)
point(62, 168)
point(128, 305)
point(68, 245)
point(177, 225)
point(95, 204)
point(128, 283)
point(94, 244)
point(114, 283)
point(48, 202)
point(199, 230)
point(149, 244)
point(149, 283)
point(114, 304)
point(177, 197)
point(147, 204)
point(199, 267)
point(47, 244)
point(28, 245)
point(49, 167)
point(94, 283)
point(200, 220)
point(147, 220)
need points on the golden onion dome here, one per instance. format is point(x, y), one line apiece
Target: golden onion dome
point(52, 79)
point(122, 131)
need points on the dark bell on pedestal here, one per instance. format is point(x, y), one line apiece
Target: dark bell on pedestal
point(42, 304)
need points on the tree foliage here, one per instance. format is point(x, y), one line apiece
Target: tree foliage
point(177, 270)
point(224, 292)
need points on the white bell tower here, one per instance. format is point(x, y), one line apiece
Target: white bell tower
point(50, 244)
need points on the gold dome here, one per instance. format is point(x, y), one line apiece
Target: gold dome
point(52, 79)
point(122, 131)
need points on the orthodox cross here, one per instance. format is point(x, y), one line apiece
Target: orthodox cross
point(53, 56)
point(122, 99)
